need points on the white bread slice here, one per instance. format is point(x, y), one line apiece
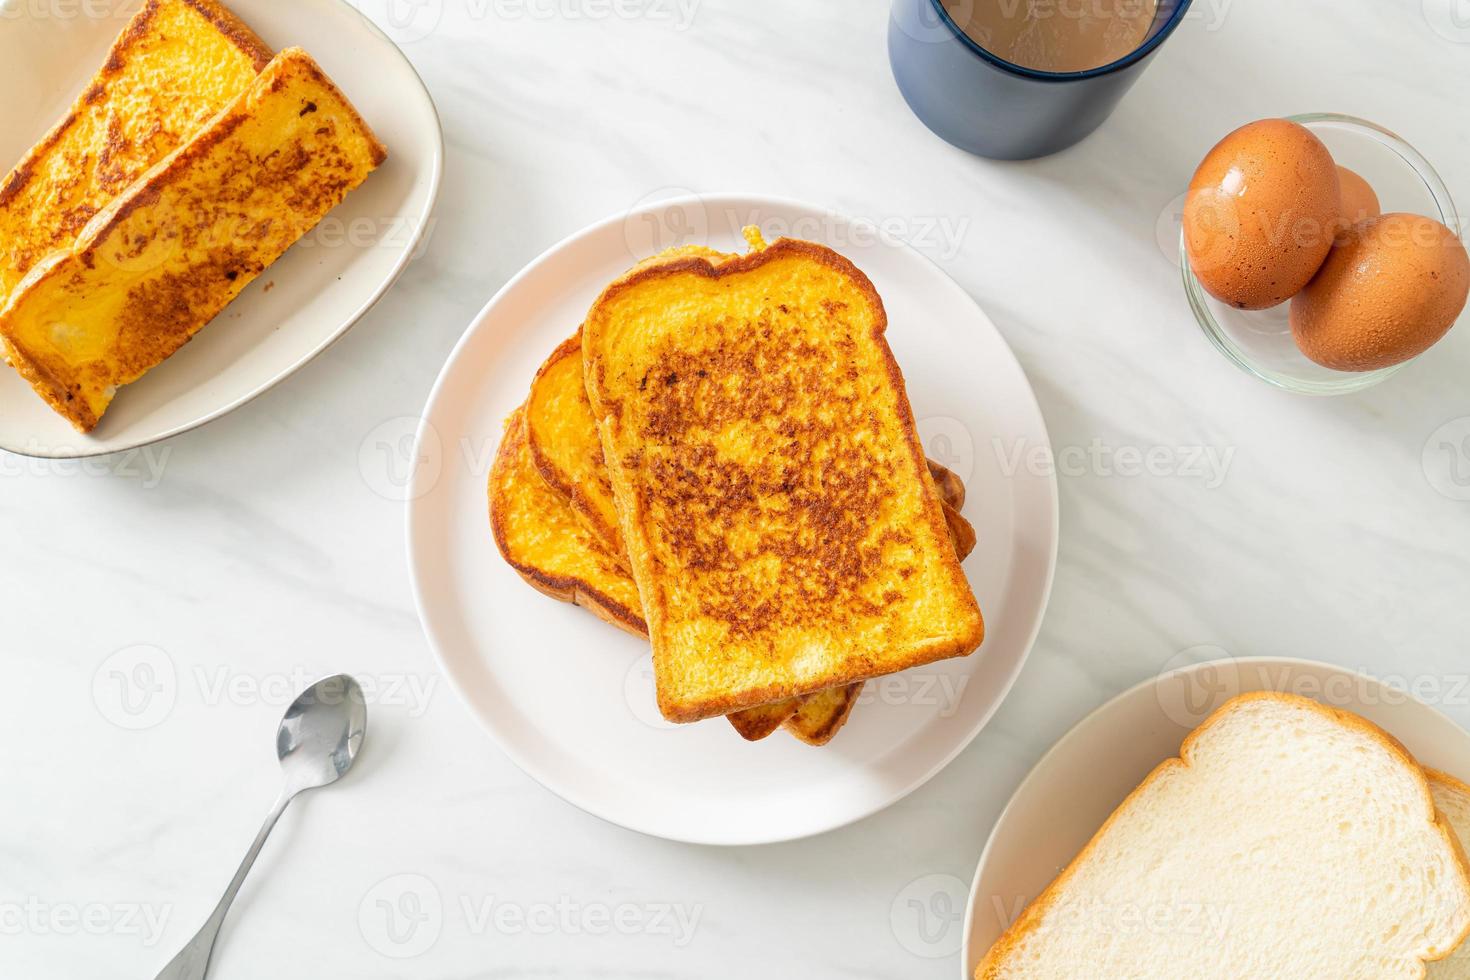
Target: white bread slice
point(1453, 799)
point(1290, 840)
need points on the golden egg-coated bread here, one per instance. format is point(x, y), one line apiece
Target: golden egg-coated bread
point(540, 536)
point(162, 260)
point(771, 488)
point(176, 64)
point(562, 435)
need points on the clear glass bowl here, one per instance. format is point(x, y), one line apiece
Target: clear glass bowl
point(1260, 341)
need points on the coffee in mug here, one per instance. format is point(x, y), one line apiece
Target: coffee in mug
point(1056, 35)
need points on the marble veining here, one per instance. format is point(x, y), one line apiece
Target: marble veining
point(270, 546)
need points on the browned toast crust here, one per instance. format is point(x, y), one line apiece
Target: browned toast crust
point(231, 27)
point(576, 471)
point(821, 716)
point(755, 724)
point(511, 477)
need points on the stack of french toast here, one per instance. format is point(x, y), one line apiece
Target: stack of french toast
point(723, 460)
point(192, 161)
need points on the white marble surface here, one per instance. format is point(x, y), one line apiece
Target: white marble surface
point(264, 553)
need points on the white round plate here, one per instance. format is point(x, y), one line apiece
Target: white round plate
point(1091, 771)
point(300, 305)
point(571, 700)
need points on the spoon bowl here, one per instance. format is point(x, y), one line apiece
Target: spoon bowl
point(321, 733)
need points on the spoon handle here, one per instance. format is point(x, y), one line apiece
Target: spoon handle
point(193, 960)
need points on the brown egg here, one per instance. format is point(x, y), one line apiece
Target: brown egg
point(1387, 293)
point(1359, 201)
point(1261, 212)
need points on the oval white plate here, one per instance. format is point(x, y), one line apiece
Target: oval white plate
point(571, 700)
point(1091, 771)
point(319, 289)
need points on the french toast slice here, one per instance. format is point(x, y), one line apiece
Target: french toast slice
point(819, 717)
point(174, 67)
point(543, 540)
point(562, 434)
point(770, 483)
point(540, 537)
point(162, 260)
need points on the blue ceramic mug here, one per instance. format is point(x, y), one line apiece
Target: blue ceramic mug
point(992, 107)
